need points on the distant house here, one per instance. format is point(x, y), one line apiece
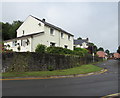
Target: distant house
point(101, 54)
point(116, 55)
point(35, 31)
point(81, 43)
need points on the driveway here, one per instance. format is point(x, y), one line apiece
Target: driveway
point(94, 85)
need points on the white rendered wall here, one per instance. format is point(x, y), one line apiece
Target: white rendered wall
point(30, 26)
point(22, 48)
point(46, 38)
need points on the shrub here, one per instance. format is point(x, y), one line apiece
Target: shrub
point(68, 51)
point(40, 48)
point(80, 51)
point(59, 50)
point(55, 50)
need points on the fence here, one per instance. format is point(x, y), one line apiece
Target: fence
point(29, 61)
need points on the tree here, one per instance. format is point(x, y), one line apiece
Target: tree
point(100, 49)
point(9, 30)
point(5, 31)
point(118, 51)
point(92, 48)
point(107, 51)
point(14, 26)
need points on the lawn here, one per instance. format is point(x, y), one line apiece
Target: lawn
point(83, 69)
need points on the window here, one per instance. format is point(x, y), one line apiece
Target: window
point(21, 42)
point(14, 43)
point(24, 42)
point(68, 37)
point(52, 44)
point(23, 32)
point(52, 31)
point(39, 24)
point(66, 46)
point(61, 35)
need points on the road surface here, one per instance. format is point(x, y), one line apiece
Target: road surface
point(94, 85)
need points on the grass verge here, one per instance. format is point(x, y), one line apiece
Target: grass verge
point(83, 69)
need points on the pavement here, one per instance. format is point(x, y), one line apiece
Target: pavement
point(94, 85)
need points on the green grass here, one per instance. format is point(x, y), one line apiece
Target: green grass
point(83, 69)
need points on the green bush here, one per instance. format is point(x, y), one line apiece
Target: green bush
point(64, 51)
point(40, 48)
point(80, 51)
point(55, 50)
point(68, 51)
point(59, 50)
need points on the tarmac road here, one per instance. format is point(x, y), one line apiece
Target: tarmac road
point(94, 85)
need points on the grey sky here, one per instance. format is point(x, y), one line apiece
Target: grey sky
point(96, 20)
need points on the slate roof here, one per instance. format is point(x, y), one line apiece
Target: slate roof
point(24, 36)
point(52, 26)
point(79, 42)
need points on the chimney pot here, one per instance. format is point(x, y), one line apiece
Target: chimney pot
point(43, 19)
point(87, 39)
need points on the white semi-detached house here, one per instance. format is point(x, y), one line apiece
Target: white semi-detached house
point(34, 31)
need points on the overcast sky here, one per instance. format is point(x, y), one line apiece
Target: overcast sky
point(97, 21)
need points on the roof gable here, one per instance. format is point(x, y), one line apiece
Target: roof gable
point(52, 26)
point(78, 42)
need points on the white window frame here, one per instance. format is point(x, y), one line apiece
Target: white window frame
point(14, 43)
point(52, 31)
point(62, 35)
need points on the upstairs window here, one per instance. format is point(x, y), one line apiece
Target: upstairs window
point(52, 31)
point(61, 35)
point(68, 37)
point(23, 32)
point(52, 44)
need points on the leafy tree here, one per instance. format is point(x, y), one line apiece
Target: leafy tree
point(40, 48)
point(107, 51)
point(5, 31)
point(8, 30)
point(100, 49)
point(118, 51)
point(15, 25)
point(92, 48)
